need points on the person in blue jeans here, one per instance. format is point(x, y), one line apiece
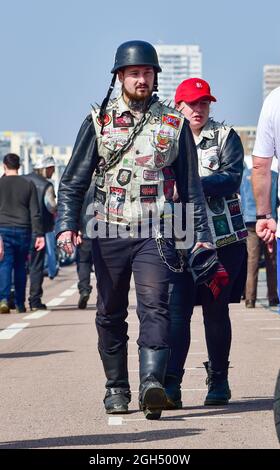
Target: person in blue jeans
point(19, 217)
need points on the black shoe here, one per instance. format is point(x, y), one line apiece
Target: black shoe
point(39, 306)
point(20, 309)
point(83, 300)
point(219, 392)
point(273, 302)
point(116, 400)
point(250, 303)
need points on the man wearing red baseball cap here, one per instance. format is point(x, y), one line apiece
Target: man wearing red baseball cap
point(220, 165)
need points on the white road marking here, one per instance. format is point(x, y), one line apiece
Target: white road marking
point(262, 319)
point(273, 339)
point(68, 293)
point(74, 286)
point(115, 421)
point(195, 353)
point(38, 314)
point(56, 301)
point(119, 420)
point(12, 330)
point(269, 328)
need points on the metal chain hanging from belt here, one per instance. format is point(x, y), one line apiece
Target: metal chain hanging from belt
point(160, 241)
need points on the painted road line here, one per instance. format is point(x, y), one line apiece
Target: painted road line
point(269, 328)
point(56, 301)
point(273, 339)
point(119, 420)
point(262, 319)
point(196, 353)
point(38, 314)
point(68, 293)
point(75, 286)
point(12, 330)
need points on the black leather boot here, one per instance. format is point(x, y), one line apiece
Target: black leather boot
point(118, 394)
point(152, 397)
point(172, 386)
point(218, 388)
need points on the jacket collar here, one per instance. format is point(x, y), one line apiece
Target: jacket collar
point(208, 132)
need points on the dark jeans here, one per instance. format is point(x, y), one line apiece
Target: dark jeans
point(183, 295)
point(16, 245)
point(115, 260)
point(36, 275)
point(84, 265)
point(255, 247)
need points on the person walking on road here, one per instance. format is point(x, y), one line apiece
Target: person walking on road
point(255, 246)
point(220, 165)
point(136, 147)
point(19, 219)
point(43, 171)
point(267, 145)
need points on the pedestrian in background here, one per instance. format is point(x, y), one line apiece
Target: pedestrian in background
point(42, 172)
point(19, 219)
point(255, 246)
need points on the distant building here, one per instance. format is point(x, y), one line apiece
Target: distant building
point(271, 78)
point(247, 135)
point(178, 62)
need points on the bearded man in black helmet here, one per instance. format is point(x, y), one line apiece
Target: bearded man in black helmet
point(135, 148)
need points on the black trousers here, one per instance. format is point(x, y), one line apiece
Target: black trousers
point(84, 265)
point(183, 295)
point(115, 260)
point(36, 274)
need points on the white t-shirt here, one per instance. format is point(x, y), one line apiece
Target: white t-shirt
point(267, 142)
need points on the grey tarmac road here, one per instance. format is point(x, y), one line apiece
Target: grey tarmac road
point(52, 382)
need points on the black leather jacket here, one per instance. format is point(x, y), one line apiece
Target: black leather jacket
point(77, 177)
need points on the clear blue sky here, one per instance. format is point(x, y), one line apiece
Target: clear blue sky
point(56, 55)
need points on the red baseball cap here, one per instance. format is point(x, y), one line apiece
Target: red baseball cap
point(193, 89)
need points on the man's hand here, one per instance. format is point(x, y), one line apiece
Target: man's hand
point(1, 249)
point(67, 241)
point(39, 243)
point(266, 230)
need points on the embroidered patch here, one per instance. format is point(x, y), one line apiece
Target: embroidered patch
point(234, 208)
point(124, 177)
point(237, 222)
point(116, 200)
point(150, 175)
point(148, 190)
point(160, 159)
point(171, 120)
point(142, 161)
point(168, 189)
point(242, 234)
point(168, 173)
point(99, 196)
point(226, 240)
point(216, 204)
point(221, 225)
point(107, 120)
point(125, 120)
point(127, 162)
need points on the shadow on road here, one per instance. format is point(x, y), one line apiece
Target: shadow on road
point(102, 439)
point(32, 353)
point(242, 406)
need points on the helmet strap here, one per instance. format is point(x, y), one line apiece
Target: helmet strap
point(105, 102)
point(156, 82)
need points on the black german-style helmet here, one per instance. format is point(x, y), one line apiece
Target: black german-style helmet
point(131, 53)
point(136, 53)
point(203, 263)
